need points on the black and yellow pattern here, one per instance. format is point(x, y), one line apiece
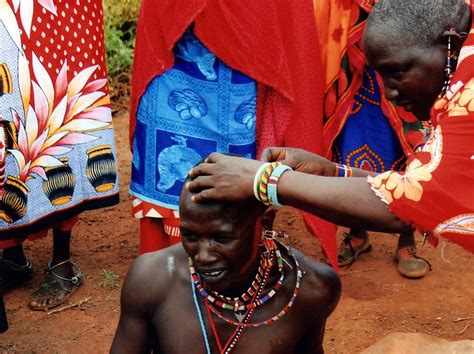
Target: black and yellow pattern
point(6, 83)
point(14, 200)
point(10, 134)
point(59, 187)
point(101, 168)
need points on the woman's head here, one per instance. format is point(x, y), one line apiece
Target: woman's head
point(406, 42)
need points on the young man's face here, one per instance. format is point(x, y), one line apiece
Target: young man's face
point(221, 242)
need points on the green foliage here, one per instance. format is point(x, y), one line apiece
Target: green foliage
point(110, 279)
point(120, 29)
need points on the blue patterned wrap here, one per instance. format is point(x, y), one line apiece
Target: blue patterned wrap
point(198, 107)
point(367, 140)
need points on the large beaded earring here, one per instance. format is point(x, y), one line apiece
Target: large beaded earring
point(448, 69)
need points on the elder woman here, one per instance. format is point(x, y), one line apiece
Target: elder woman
point(424, 53)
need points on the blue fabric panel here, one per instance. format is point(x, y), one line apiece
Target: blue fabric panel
point(198, 107)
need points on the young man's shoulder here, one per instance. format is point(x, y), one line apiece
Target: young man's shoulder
point(152, 274)
point(321, 285)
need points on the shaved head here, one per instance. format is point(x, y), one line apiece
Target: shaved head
point(416, 22)
point(249, 210)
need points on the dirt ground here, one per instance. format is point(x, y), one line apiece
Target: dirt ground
point(376, 300)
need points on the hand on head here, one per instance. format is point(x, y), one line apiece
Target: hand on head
point(223, 177)
point(230, 178)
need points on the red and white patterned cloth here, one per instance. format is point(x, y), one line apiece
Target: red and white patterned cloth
point(58, 114)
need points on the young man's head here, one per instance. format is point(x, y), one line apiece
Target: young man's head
point(222, 240)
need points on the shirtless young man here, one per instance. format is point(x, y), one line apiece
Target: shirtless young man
point(164, 311)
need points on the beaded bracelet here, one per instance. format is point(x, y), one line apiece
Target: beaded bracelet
point(263, 184)
point(343, 170)
point(272, 187)
point(256, 179)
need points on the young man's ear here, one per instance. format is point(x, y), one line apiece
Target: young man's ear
point(268, 218)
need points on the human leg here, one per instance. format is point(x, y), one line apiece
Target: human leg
point(63, 277)
point(15, 268)
point(3, 316)
point(409, 264)
point(354, 243)
point(15, 254)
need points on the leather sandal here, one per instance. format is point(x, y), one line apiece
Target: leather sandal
point(56, 289)
point(347, 253)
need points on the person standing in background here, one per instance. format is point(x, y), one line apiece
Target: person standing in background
point(218, 76)
point(362, 128)
point(57, 155)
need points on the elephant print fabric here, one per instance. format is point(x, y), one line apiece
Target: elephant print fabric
point(57, 155)
point(198, 107)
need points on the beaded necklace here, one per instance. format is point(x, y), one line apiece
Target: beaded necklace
point(278, 316)
point(235, 304)
point(239, 331)
point(245, 297)
point(256, 289)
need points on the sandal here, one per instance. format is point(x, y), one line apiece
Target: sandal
point(13, 274)
point(347, 254)
point(56, 290)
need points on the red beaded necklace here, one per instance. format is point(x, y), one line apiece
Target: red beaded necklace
point(239, 331)
point(278, 316)
point(252, 298)
point(239, 304)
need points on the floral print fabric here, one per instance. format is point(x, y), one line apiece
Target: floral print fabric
point(57, 155)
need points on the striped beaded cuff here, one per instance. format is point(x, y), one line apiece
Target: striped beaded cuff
point(256, 179)
point(343, 171)
point(261, 181)
point(272, 188)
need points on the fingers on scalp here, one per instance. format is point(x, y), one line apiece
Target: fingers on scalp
point(201, 169)
point(198, 184)
point(202, 196)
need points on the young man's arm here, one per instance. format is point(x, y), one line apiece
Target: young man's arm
point(312, 342)
point(328, 290)
point(138, 302)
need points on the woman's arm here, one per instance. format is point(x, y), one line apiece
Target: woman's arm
point(303, 161)
point(344, 201)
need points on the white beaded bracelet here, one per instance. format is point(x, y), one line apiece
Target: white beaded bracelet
point(272, 187)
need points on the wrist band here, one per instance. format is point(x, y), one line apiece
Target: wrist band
point(343, 171)
point(263, 184)
point(256, 179)
point(272, 186)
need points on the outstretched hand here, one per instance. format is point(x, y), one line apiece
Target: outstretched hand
point(223, 177)
point(300, 160)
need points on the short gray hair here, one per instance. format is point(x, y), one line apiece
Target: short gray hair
point(416, 21)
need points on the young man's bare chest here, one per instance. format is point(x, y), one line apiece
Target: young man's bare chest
point(180, 327)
